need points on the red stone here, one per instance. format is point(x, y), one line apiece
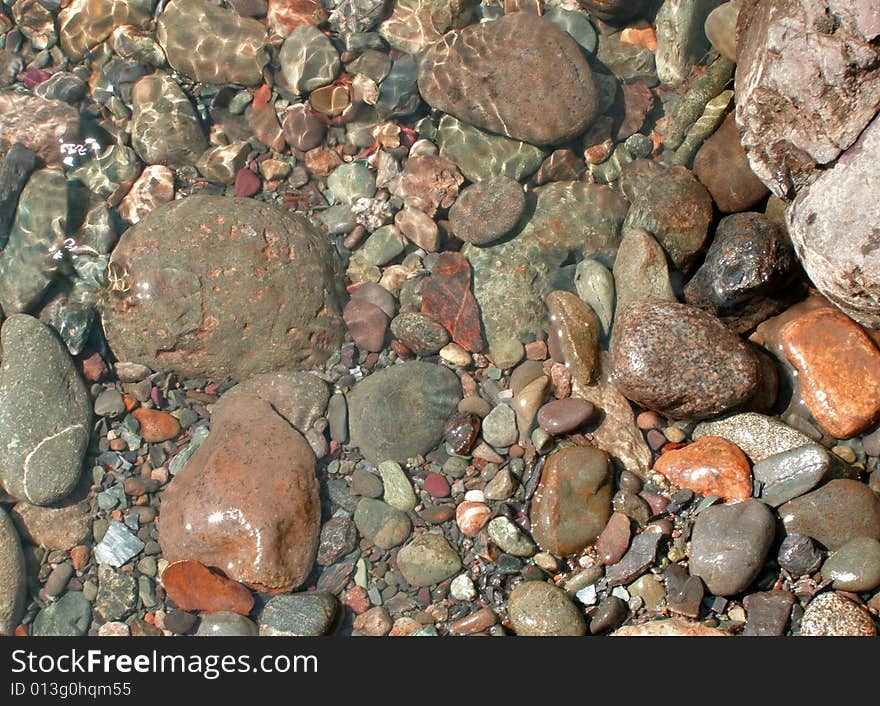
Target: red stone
point(437, 486)
point(709, 466)
point(94, 368)
point(447, 298)
point(286, 15)
point(246, 183)
point(193, 586)
point(156, 426)
point(357, 599)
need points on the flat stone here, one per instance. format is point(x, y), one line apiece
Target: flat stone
point(640, 270)
point(69, 616)
point(488, 210)
point(338, 538)
point(487, 61)
point(855, 566)
point(154, 187)
point(192, 586)
point(833, 615)
point(834, 514)
point(117, 594)
point(767, 613)
point(790, 474)
point(671, 627)
point(308, 59)
point(428, 560)
point(398, 491)
point(510, 538)
point(539, 609)
point(757, 435)
point(45, 414)
point(118, 545)
point(614, 540)
point(58, 527)
point(729, 544)
point(637, 559)
point(308, 614)
point(709, 466)
point(573, 501)
point(380, 523)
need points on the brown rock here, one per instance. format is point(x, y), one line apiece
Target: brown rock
point(193, 586)
point(471, 517)
point(448, 299)
point(838, 369)
point(375, 622)
point(614, 10)
point(487, 210)
point(709, 466)
point(478, 621)
point(573, 500)
point(83, 24)
point(573, 337)
point(672, 627)
point(366, 323)
point(302, 129)
point(59, 527)
point(563, 416)
point(419, 228)
point(494, 76)
point(263, 121)
point(429, 182)
point(156, 426)
point(614, 540)
point(723, 168)
point(247, 502)
point(40, 124)
point(153, 187)
point(286, 15)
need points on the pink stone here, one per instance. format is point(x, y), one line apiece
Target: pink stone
point(246, 183)
point(437, 486)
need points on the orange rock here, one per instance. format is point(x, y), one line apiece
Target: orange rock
point(403, 627)
point(94, 368)
point(130, 401)
point(709, 466)
point(838, 368)
point(642, 37)
point(80, 556)
point(471, 517)
point(286, 15)
point(156, 425)
point(193, 586)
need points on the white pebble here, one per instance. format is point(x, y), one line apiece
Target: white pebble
point(462, 588)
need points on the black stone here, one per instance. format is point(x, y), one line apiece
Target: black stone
point(609, 614)
point(798, 555)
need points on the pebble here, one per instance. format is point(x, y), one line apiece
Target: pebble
point(671, 627)
point(539, 609)
point(118, 545)
point(488, 210)
point(720, 28)
point(310, 614)
point(421, 334)
point(729, 545)
point(109, 404)
point(302, 129)
point(338, 538)
point(637, 559)
point(502, 486)
point(192, 586)
point(834, 514)
point(715, 372)
point(117, 594)
point(57, 581)
point(595, 285)
point(833, 615)
point(610, 613)
point(684, 593)
point(499, 427)
point(471, 517)
point(398, 491)
point(69, 616)
point(13, 580)
point(798, 555)
point(156, 426)
point(709, 466)
point(510, 538)
point(837, 365)
point(366, 323)
point(154, 187)
point(383, 525)
point(573, 501)
point(767, 613)
point(428, 560)
point(640, 270)
point(573, 335)
point(225, 624)
point(855, 566)
point(757, 435)
point(437, 486)
point(308, 59)
point(462, 588)
point(527, 403)
point(790, 474)
point(476, 622)
point(614, 540)
point(650, 590)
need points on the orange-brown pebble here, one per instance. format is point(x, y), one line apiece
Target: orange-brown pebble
point(192, 586)
point(478, 621)
point(94, 368)
point(471, 517)
point(130, 401)
point(709, 466)
point(650, 420)
point(79, 555)
point(644, 37)
point(156, 425)
point(838, 369)
point(403, 627)
point(537, 350)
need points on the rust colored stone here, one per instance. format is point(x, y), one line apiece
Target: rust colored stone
point(838, 368)
point(448, 299)
point(193, 586)
point(247, 502)
point(286, 15)
point(478, 621)
point(156, 426)
point(709, 466)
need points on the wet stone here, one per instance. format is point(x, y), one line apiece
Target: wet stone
point(684, 593)
point(427, 560)
point(564, 416)
point(69, 616)
point(118, 546)
point(13, 580)
point(637, 559)
point(488, 210)
point(709, 466)
point(381, 524)
point(640, 270)
point(299, 615)
point(855, 566)
point(790, 474)
point(610, 613)
point(767, 613)
point(540, 609)
point(222, 163)
point(117, 594)
point(510, 538)
point(111, 174)
point(308, 59)
point(18, 164)
point(225, 624)
point(338, 538)
point(757, 435)
point(84, 24)
point(835, 513)
point(421, 334)
point(614, 540)
point(416, 24)
point(798, 555)
point(833, 615)
point(574, 333)
point(154, 187)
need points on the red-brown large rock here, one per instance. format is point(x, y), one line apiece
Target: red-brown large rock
point(193, 586)
point(247, 502)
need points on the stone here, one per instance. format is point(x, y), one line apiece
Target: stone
point(211, 44)
point(796, 113)
point(507, 93)
point(350, 182)
point(674, 207)
point(573, 500)
point(164, 126)
point(624, 61)
point(834, 207)
point(790, 474)
point(84, 24)
point(375, 622)
point(837, 368)
point(767, 613)
point(720, 28)
point(118, 545)
point(192, 586)
point(595, 285)
point(640, 270)
point(192, 322)
point(380, 523)
point(338, 538)
point(428, 183)
point(509, 538)
point(259, 529)
point(13, 581)
point(366, 484)
point(723, 168)
point(798, 555)
point(567, 415)
point(416, 24)
point(488, 210)
point(481, 155)
point(111, 174)
point(638, 558)
point(833, 615)
point(448, 299)
point(401, 411)
point(302, 129)
point(154, 187)
point(713, 372)
point(855, 566)
point(310, 614)
point(757, 435)
point(499, 427)
point(471, 517)
point(156, 426)
point(418, 228)
point(573, 335)
point(298, 396)
point(284, 16)
point(650, 590)
point(428, 560)
point(747, 273)
point(421, 334)
point(837, 512)
point(614, 11)
point(117, 594)
point(709, 466)
point(38, 124)
point(59, 527)
point(681, 39)
point(69, 616)
point(670, 627)
point(614, 540)
point(45, 414)
point(539, 609)
point(367, 324)
point(398, 489)
point(226, 624)
point(15, 169)
point(308, 59)
point(729, 544)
